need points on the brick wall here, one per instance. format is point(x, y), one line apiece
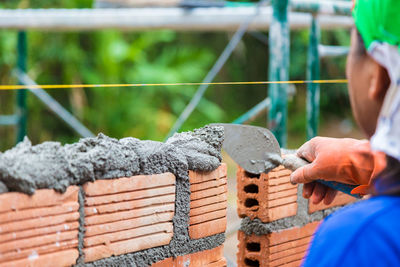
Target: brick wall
point(115, 217)
point(278, 223)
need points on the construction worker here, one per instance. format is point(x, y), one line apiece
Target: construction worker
point(366, 233)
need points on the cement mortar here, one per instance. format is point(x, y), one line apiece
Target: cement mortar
point(81, 229)
point(26, 168)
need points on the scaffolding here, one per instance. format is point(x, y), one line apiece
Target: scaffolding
point(277, 16)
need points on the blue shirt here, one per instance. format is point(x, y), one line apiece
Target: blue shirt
point(364, 234)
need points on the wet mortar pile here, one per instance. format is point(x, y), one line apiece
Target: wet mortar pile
point(26, 168)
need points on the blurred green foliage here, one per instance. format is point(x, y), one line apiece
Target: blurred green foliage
point(112, 56)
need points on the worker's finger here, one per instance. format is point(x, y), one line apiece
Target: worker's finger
point(319, 193)
point(303, 175)
point(307, 150)
point(308, 189)
point(330, 196)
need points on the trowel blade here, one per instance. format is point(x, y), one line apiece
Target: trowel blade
point(251, 147)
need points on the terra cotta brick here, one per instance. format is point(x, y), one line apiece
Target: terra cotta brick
point(208, 202)
point(268, 197)
point(50, 248)
point(129, 214)
point(286, 247)
point(126, 234)
point(38, 231)
point(126, 246)
point(208, 258)
point(17, 215)
point(340, 200)
point(13, 201)
point(61, 258)
point(139, 194)
point(207, 228)
point(127, 184)
point(199, 177)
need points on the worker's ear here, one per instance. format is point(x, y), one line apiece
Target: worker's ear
point(380, 83)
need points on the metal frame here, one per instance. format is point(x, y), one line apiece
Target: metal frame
point(276, 18)
point(137, 19)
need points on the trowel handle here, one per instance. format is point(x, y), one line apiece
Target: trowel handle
point(293, 162)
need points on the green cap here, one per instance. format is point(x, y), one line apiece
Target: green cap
point(378, 20)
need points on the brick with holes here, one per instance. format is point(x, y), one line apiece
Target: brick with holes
point(268, 197)
point(283, 248)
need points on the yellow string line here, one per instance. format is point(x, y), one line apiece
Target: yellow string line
point(64, 86)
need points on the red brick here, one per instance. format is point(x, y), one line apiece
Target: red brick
point(208, 201)
point(129, 205)
point(208, 258)
point(128, 234)
point(139, 194)
point(127, 184)
point(340, 200)
point(38, 231)
point(127, 224)
point(293, 263)
point(220, 263)
point(126, 246)
point(16, 215)
point(293, 251)
point(42, 198)
point(286, 247)
point(252, 248)
point(37, 241)
point(212, 215)
point(61, 258)
point(207, 228)
point(38, 222)
point(208, 208)
point(199, 177)
point(129, 214)
point(50, 248)
point(209, 184)
point(209, 192)
point(268, 197)
point(292, 234)
point(289, 245)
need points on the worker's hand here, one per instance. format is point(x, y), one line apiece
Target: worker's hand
point(345, 160)
point(318, 192)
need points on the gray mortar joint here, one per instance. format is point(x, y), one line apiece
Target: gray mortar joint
point(26, 168)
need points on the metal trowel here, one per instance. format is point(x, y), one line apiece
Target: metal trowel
point(257, 151)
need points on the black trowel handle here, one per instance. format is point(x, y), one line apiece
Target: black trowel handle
point(293, 162)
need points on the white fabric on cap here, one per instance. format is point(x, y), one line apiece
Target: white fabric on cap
point(387, 134)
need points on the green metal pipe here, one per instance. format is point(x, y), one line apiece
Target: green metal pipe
point(279, 40)
point(322, 7)
point(313, 89)
point(21, 94)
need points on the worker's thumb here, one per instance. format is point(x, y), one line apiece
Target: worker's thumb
point(303, 175)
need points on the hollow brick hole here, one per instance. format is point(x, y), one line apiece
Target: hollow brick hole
point(252, 175)
point(253, 247)
point(251, 202)
point(251, 188)
point(250, 262)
